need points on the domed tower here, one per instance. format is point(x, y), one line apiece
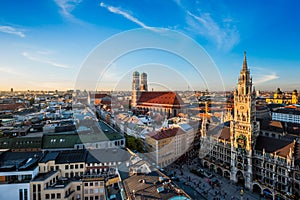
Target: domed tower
point(278, 94)
point(144, 84)
point(295, 97)
point(135, 88)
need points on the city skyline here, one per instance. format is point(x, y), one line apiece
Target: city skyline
point(44, 50)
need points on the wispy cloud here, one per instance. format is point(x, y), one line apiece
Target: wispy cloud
point(223, 33)
point(66, 8)
point(44, 60)
point(125, 14)
point(9, 70)
point(12, 30)
point(225, 37)
point(263, 75)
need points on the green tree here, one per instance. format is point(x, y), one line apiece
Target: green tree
point(31, 101)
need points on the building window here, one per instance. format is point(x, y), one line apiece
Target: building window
point(81, 166)
point(66, 166)
point(21, 194)
point(96, 183)
point(91, 191)
point(39, 192)
point(78, 187)
point(86, 198)
point(86, 191)
point(86, 184)
point(52, 196)
point(91, 184)
point(47, 196)
point(25, 194)
point(76, 166)
point(71, 166)
point(57, 167)
point(58, 195)
point(34, 188)
point(91, 198)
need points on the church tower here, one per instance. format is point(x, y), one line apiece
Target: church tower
point(244, 129)
point(135, 88)
point(144, 84)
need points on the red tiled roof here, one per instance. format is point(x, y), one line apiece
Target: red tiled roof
point(98, 95)
point(221, 132)
point(273, 145)
point(166, 133)
point(271, 125)
point(162, 98)
point(225, 133)
point(12, 106)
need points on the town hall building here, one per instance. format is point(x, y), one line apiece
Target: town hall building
point(259, 157)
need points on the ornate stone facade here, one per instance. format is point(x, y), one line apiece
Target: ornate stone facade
point(251, 154)
point(244, 129)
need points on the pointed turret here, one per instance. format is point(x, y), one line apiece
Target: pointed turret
point(245, 67)
point(245, 81)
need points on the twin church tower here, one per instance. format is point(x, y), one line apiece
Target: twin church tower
point(138, 86)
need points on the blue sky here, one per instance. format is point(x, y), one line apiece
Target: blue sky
point(45, 43)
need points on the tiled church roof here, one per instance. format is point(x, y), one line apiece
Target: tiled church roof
point(166, 133)
point(163, 98)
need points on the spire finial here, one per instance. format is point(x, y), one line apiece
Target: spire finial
point(245, 67)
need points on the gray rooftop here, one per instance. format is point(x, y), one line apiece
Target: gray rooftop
point(107, 155)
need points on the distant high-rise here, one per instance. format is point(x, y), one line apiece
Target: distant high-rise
point(11, 90)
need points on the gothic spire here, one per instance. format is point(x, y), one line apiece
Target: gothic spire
point(245, 67)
